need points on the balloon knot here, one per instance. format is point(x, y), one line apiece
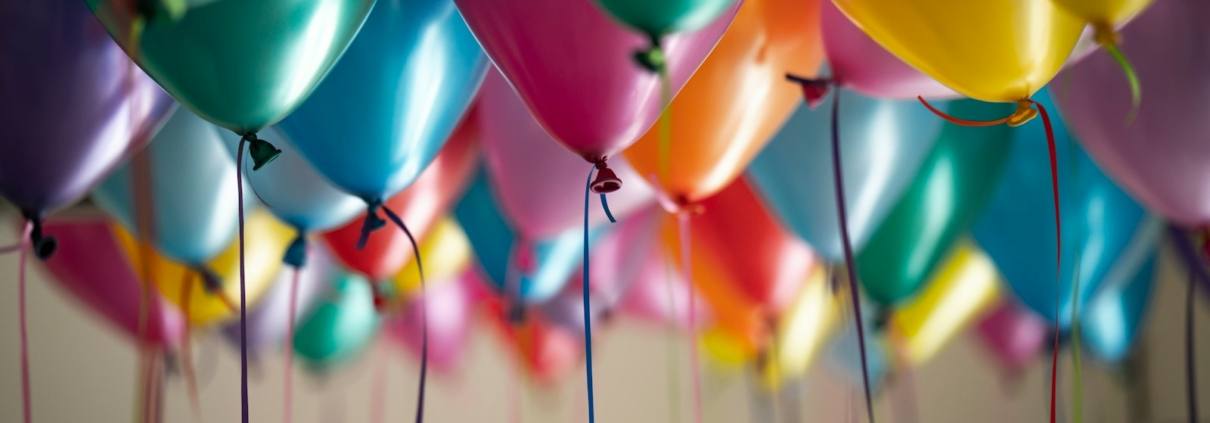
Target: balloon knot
point(813, 89)
point(882, 318)
point(1104, 34)
point(261, 151)
point(1024, 113)
point(515, 314)
point(296, 253)
point(606, 181)
point(43, 245)
point(210, 281)
point(371, 223)
point(652, 58)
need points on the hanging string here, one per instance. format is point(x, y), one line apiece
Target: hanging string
point(605, 182)
point(243, 313)
point(1190, 352)
point(288, 383)
point(422, 302)
point(1077, 385)
point(26, 410)
point(674, 392)
point(1109, 40)
point(686, 265)
point(186, 343)
point(144, 219)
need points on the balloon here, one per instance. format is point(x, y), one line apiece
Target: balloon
point(74, 105)
point(1110, 323)
point(293, 190)
point(268, 322)
point(547, 353)
point(1100, 221)
point(883, 142)
point(535, 198)
point(1014, 336)
point(529, 271)
point(214, 285)
point(953, 185)
point(844, 352)
point(994, 50)
point(1102, 12)
point(89, 266)
point(565, 59)
point(1152, 156)
point(860, 64)
point(420, 205)
point(735, 101)
point(243, 65)
point(665, 17)
point(394, 98)
point(963, 287)
point(341, 326)
point(191, 186)
point(449, 310)
point(802, 331)
point(447, 254)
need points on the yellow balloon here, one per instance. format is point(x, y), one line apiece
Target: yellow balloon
point(964, 287)
point(991, 50)
point(1104, 13)
point(724, 351)
point(803, 330)
point(266, 238)
point(446, 252)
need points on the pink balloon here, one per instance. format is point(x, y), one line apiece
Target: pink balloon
point(1013, 335)
point(89, 265)
point(860, 64)
point(537, 181)
point(1162, 157)
point(450, 307)
point(573, 66)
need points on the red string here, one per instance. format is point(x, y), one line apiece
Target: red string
point(694, 366)
point(288, 383)
point(960, 121)
point(27, 412)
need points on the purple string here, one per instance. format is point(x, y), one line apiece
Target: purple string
point(243, 311)
point(424, 323)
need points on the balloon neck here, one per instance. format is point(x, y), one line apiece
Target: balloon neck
point(261, 151)
point(371, 223)
point(814, 90)
point(606, 180)
point(652, 58)
point(43, 245)
point(882, 318)
point(1025, 112)
point(296, 253)
point(210, 281)
point(384, 293)
point(1104, 34)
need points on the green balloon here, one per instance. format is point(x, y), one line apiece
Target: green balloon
point(662, 17)
point(241, 64)
point(951, 188)
point(341, 326)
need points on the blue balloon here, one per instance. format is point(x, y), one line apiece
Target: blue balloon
point(1017, 229)
point(882, 142)
point(1110, 322)
point(192, 189)
point(382, 114)
point(496, 243)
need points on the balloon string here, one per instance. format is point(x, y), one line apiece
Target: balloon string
point(288, 383)
point(1054, 189)
point(26, 410)
point(665, 144)
point(960, 121)
point(1078, 382)
point(186, 343)
point(1190, 353)
point(838, 187)
point(424, 320)
point(674, 392)
point(694, 366)
point(144, 219)
point(243, 312)
point(586, 304)
point(1107, 37)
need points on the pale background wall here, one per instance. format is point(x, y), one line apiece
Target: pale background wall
point(83, 371)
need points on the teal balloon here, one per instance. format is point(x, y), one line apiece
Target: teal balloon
point(192, 189)
point(1110, 323)
point(390, 104)
point(241, 64)
point(883, 143)
point(1017, 229)
point(341, 326)
point(663, 17)
point(500, 250)
point(941, 204)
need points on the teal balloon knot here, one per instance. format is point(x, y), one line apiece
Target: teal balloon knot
point(261, 151)
point(296, 253)
point(652, 58)
point(371, 223)
point(43, 245)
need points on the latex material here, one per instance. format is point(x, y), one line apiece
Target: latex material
point(420, 205)
point(963, 288)
point(1016, 229)
point(860, 64)
point(446, 252)
point(802, 331)
point(192, 190)
point(88, 254)
point(943, 201)
point(450, 309)
point(268, 322)
point(844, 353)
point(1014, 337)
point(243, 65)
point(74, 105)
point(735, 102)
point(340, 327)
point(392, 101)
point(1108, 12)
point(665, 17)
point(883, 142)
point(534, 175)
point(293, 190)
point(1152, 157)
point(569, 62)
point(546, 353)
point(267, 241)
point(994, 50)
point(1111, 323)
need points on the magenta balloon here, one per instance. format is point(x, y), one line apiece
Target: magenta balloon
point(572, 65)
point(534, 178)
point(860, 64)
point(90, 266)
point(450, 306)
point(1163, 157)
point(1013, 335)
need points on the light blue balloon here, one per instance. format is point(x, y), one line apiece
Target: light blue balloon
point(1111, 321)
point(388, 106)
point(1017, 229)
point(341, 326)
point(882, 142)
point(494, 241)
point(293, 190)
point(193, 191)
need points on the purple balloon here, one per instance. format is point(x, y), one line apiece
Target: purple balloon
point(73, 103)
point(450, 305)
point(269, 320)
point(1162, 157)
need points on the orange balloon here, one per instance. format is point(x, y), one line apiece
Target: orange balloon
point(735, 102)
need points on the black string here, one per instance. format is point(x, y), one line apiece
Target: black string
point(424, 324)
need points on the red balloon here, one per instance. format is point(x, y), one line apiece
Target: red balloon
point(420, 205)
point(547, 352)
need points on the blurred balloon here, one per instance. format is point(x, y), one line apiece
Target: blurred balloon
point(534, 175)
point(1102, 12)
point(1014, 336)
point(450, 308)
point(725, 350)
point(74, 104)
point(564, 57)
point(268, 322)
point(391, 102)
point(1110, 323)
point(1151, 155)
point(964, 287)
point(191, 186)
point(1016, 228)
point(91, 267)
point(860, 64)
point(802, 331)
point(239, 64)
point(447, 253)
point(994, 50)
point(546, 352)
point(734, 103)
point(844, 352)
point(214, 285)
point(943, 201)
point(420, 205)
point(884, 143)
point(341, 326)
point(658, 19)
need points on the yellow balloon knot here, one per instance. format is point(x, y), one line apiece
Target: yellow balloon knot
point(1105, 34)
point(1025, 112)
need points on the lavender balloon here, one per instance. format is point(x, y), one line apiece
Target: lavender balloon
point(269, 322)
